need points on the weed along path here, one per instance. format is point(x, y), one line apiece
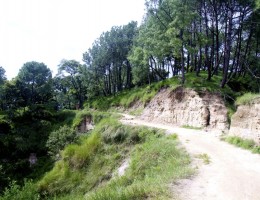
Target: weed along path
point(224, 172)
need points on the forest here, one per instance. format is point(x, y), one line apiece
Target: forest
point(218, 38)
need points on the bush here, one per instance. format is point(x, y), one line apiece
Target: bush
point(65, 117)
point(16, 192)
point(5, 127)
point(60, 138)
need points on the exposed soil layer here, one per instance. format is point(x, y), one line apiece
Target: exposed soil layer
point(245, 122)
point(186, 107)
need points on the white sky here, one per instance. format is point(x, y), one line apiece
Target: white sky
point(51, 30)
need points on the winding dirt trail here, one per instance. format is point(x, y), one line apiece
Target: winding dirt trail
point(232, 174)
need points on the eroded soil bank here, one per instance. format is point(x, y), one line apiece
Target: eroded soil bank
point(186, 107)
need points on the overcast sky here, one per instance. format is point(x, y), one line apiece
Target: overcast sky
point(51, 30)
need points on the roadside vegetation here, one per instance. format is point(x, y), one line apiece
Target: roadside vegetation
point(191, 127)
point(243, 143)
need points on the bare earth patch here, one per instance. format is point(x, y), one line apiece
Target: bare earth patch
point(231, 174)
point(123, 167)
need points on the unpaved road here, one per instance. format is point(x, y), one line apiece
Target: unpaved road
point(232, 174)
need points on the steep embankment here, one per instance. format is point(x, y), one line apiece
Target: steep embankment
point(245, 122)
point(186, 107)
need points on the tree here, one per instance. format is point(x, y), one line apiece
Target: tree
point(107, 61)
point(2, 81)
point(2, 75)
point(34, 82)
point(215, 36)
point(74, 76)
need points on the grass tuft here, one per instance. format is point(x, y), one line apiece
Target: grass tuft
point(191, 127)
point(205, 157)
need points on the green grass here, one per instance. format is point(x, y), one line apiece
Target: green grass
point(247, 98)
point(154, 165)
point(191, 127)
point(136, 112)
point(243, 143)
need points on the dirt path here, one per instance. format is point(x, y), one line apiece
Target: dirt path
point(232, 174)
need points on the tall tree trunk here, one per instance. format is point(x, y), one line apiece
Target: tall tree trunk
point(200, 41)
point(182, 59)
point(128, 75)
point(109, 80)
point(228, 44)
point(207, 62)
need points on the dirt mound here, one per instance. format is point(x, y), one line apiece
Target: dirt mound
point(186, 107)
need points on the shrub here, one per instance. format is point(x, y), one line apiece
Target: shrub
point(17, 192)
point(60, 138)
point(65, 117)
point(5, 126)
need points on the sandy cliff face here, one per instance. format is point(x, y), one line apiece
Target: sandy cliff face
point(86, 125)
point(245, 122)
point(187, 107)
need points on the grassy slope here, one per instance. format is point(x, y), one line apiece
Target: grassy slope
point(87, 167)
